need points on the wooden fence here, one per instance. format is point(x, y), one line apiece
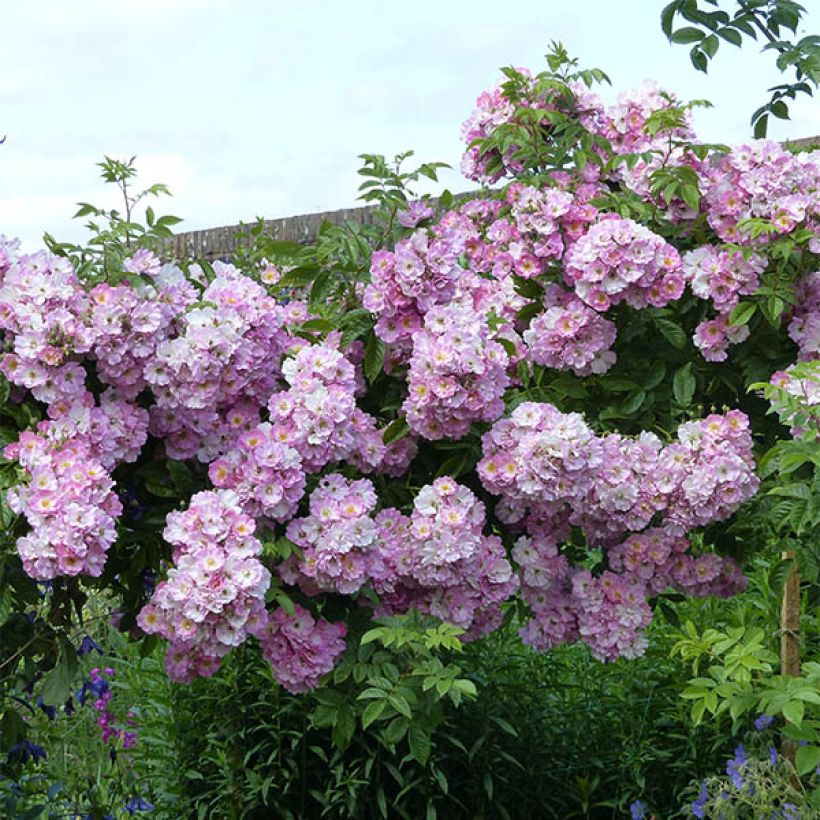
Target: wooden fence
point(221, 243)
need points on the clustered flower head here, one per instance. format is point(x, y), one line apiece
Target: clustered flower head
point(42, 310)
point(804, 326)
point(115, 430)
point(421, 272)
point(660, 559)
point(612, 485)
point(623, 493)
point(228, 350)
point(70, 503)
point(721, 275)
point(713, 337)
point(128, 325)
point(301, 648)
point(213, 596)
point(438, 561)
point(568, 335)
point(457, 374)
point(608, 612)
point(492, 109)
point(709, 472)
point(618, 260)
point(538, 455)
point(765, 181)
point(265, 473)
point(314, 415)
point(371, 455)
point(337, 539)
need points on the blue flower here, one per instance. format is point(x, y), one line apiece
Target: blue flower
point(88, 645)
point(96, 688)
point(763, 722)
point(699, 805)
point(138, 804)
point(734, 766)
point(638, 810)
point(789, 812)
point(50, 711)
point(772, 755)
point(24, 751)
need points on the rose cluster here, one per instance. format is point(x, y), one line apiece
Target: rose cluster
point(227, 351)
point(804, 326)
point(337, 539)
point(301, 648)
point(214, 595)
point(660, 559)
point(457, 373)
point(438, 561)
point(608, 612)
point(618, 260)
point(568, 335)
point(264, 472)
point(42, 310)
point(314, 415)
point(722, 275)
point(612, 485)
point(114, 431)
point(69, 501)
point(761, 180)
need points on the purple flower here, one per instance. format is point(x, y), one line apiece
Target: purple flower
point(138, 804)
point(24, 751)
point(50, 711)
point(416, 211)
point(87, 646)
point(763, 722)
point(699, 805)
point(734, 766)
point(772, 755)
point(638, 810)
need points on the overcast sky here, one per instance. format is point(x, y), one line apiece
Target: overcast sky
point(260, 107)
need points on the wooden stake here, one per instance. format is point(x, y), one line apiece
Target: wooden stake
point(790, 636)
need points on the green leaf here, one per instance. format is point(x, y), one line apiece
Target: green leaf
point(633, 402)
point(687, 35)
point(683, 385)
point(807, 759)
point(731, 35)
point(395, 430)
point(395, 730)
point(672, 332)
point(299, 277)
point(793, 711)
point(57, 684)
point(372, 712)
point(157, 488)
point(741, 313)
point(419, 742)
point(400, 704)
point(373, 357)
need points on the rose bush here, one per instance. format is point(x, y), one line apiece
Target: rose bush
point(529, 403)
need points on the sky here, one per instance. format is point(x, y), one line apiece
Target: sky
point(249, 108)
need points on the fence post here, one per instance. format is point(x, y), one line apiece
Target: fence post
point(790, 636)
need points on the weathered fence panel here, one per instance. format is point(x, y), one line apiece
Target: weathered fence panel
point(221, 243)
